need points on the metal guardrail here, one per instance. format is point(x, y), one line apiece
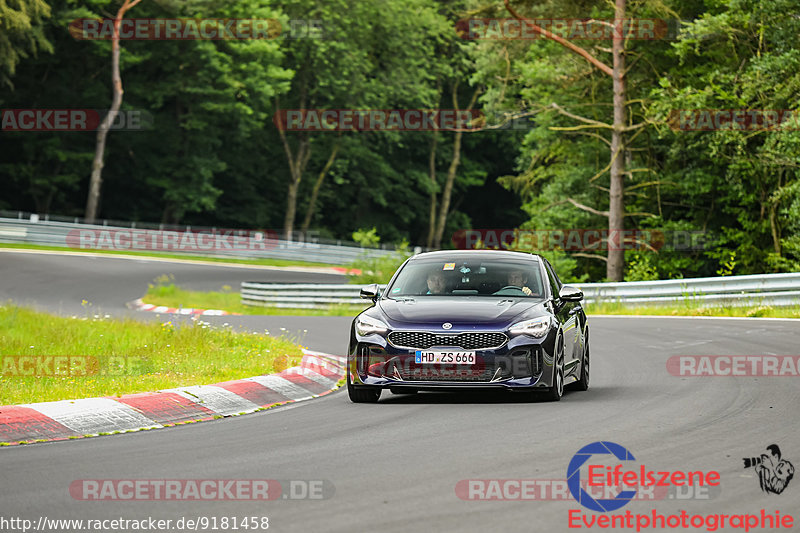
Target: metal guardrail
point(301, 295)
point(767, 289)
point(764, 289)
point(35, 230)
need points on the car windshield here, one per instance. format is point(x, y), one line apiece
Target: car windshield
point(478, 277)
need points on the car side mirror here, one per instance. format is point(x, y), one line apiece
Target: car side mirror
point(370, 292)
point(570, 294)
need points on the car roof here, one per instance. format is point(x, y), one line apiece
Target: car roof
point(475, 254)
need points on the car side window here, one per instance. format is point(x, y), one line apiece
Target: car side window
point(555, 283)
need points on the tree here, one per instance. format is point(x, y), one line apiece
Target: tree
point(21, 34)
point(370, 56)
point(214, 96)
point(615, 265)
point(449, 75)
point(452, 169)
point(312, 201)
point(96, 179)
point(741, 55)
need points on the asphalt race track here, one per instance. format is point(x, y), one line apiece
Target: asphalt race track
point(395, 466)
point(59, 284)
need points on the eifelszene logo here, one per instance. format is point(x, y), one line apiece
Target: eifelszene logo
point(774, 473)
point(608, 465)
point(602, 475)
point(574, 476)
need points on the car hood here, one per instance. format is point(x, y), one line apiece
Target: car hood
point(461, 311)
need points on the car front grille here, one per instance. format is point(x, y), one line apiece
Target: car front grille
point(430, 373)
point(422, 340)
point(518, 364)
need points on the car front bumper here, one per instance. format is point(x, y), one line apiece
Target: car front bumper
point(522, 363)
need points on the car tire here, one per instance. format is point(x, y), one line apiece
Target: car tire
point(583, 382)
point(556, 391)
point(362, 394)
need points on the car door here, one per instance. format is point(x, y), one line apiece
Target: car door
point(566, 312)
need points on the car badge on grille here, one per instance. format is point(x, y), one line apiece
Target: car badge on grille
point(447, 325)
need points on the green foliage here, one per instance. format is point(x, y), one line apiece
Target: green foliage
point(737, 56)
point(640, 269)
point(367, 238)
point(726, 268)
point(378, 270)
point(21, 34)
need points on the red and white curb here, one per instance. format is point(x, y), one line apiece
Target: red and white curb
point(343, 270)
point(139, 305)
point(317, 375)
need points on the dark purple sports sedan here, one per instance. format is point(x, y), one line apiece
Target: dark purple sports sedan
point(459, 320)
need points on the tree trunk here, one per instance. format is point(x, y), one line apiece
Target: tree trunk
point(96, 179)
point(291, 208)
point(317, 186)
point(171, 214)
point(432, 175)
point(448, 190)
point(774, 227)
point(615, 267)
point(297, 165)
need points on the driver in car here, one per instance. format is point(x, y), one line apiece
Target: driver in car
point(436, 283)
point(519, 278)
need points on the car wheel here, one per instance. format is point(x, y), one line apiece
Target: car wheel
point(583, 383)
point(556, 391)
point(362, 394)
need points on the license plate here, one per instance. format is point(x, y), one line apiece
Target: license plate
point(440, 357)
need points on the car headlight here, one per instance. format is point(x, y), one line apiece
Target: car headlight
point(366, 325)
point(535, 328)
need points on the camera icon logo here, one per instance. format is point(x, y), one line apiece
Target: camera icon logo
point(774, 472)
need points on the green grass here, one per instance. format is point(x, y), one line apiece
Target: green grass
point(168, 294)
point(128, 356)
point(689, 307)
point(158, 255)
